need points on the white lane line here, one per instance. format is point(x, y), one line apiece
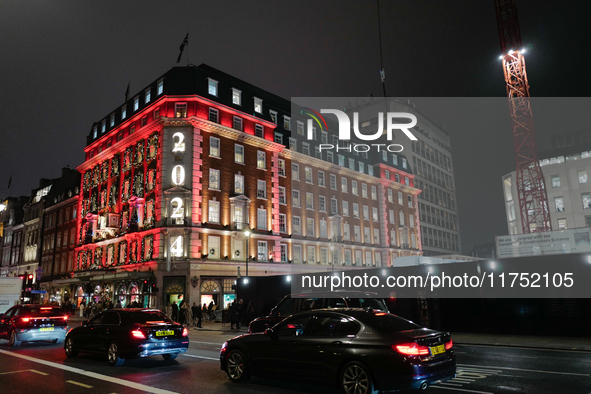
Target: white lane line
point(450, 384)
point(39, 372)
point(211, 343)
point(534, 370)
point(79, 384)
point(207, 358)
point(462, 380)
point(94, 375)
point(482, 370)
point(574, 350)
point(458, 389)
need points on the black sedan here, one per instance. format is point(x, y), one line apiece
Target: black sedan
point(361, 351)
point(128, 333)
point(31, 322)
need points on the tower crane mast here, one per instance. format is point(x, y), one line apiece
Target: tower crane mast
point(531, 189)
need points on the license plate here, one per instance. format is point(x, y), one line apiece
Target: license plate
point(437, 349)
point(164, 333)
point(46, 329)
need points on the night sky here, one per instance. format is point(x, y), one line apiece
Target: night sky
point(66, 64)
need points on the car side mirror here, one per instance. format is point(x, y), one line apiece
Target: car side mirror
point(85, 323)
point(269, 332)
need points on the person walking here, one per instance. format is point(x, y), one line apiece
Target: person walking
point(234, 315)
point(204, 311)
point(188, 314)
point(175, 311)
point(182, 314)
point(239, 313)
point(210, 311)
point(197, 314)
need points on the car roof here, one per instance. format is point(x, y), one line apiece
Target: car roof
point(335, 294)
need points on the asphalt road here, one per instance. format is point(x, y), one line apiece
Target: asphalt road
point(44, 368)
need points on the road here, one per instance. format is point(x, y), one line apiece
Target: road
point(44, 368)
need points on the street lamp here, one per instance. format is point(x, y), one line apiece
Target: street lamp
point(2, 206)
point(247, 233)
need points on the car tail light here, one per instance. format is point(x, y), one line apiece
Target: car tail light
point(224, 347)
point(411, 349)
point(449, 344)
point(25, 319)
point(138, 334)
point(65, 317)
point(185, 332)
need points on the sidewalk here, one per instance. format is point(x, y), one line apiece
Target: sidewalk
point(460, 338)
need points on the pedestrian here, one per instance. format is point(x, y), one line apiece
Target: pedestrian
point(239, 313)
point(182, 312)
point(210, 311)
point(168, 310)
point(175, 311)
point(82, 308)
point(197, 314)
point(188, 314)
point(118, 305)
point(204, 311)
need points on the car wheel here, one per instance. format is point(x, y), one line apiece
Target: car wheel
point(69, 348)
point(12, 340)
point(356, 379)
point(236, 367)
point(169, 357)
point(113, 355)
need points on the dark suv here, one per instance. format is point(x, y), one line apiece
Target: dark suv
point(295, 303)
point(31, 322)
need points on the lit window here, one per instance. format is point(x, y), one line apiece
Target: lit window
point(236, 97)
point(160, 87)
point(311, 254)
point(282, 224)
point(295, 198)
point(261, 160)
point(404, 163)
point(258, 105)
point(282, 197)
point(374, 212)
point(214, 115)
point(296, 227)
point(287, 123)
point(180, 110)
point(321, 178)
point(239, 153)
point(261, 189)
point(555, 181)
point(278, 138)
point(136, 103)
point(295, 172)
point(103, 126)
point(345, 208)
point(322, 203)
point(273, 116)
point(214, 146)
point(147, 95)
point(94, 132)
point(293, 144)
point(262, 219)
point(237, 123)
point(213, 244)
point(364, 190)
point(390, 196)
point(333, 182)
point(112, 120)
point(214, 212)
point(212, 87)
point(300, 128)
point(309, 175)
point(309, 201)
point(562, 224)
point(374, 193)
point(258, 131)
point(238, 184)
point(400, 199)
point(409, 200)
point(309, 227)
point(344, 187)
point(281, 165)
point(214, 179)
point(354, 188)
point(123, 112)
point(559, 203)
point(582, 176)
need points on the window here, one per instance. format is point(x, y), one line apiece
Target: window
point(363, 190)
point(582, 176)
point(259, 131)
point(354, 188)
point(374, 214)
point(282, 223)
point(352, 164)
point(322, 203)
point(236, 97)
point(306, 148)
point(287, 123)
point(406, 181)
point(144, 121)
point(295, 198)
point(384, 156)
point(311, 254)
point(147, 95)
point(261, 160)
point(297, 226)
point(278, 138)
point(356, 210)
point(237, 123)
point(317, 153)
point(296, 253)
point(376, 236)
point(295, 172)
point(562, 224)
point(261, 189)
point(214, 179)
point(357, 233)
point(103, 126)
point(262, 219)
point(214, 146)
point(403, 163)
point(212, 87)
point(390, 195)
point(324, 260)
point(262, 251)
point(392, 216)
point(395, 160)
point(329, 157)
point(283, 252)
point(347, 257)
point(214, 247)
point(409, 200)
point(402, 218)
point(324, 138)
point(94, 132)
point(374, 193)
point(321, 178)
point(136, 103)
point(411, 221)
point(214, 115)
point(300, 128)
point(309, 201)
point(344, 185)
point(160, 87)
point(282, 197)
point(365, 212)
point(346, 232)
point(309, 227)
point(400, 199)
point(238, 184)
point(214, 212)
point(293, 144)
point(341, 160)
point(258, 105)
point(345, 208)
point(397, 177)
point(112, 120)
point(368, 259)
point(555, 181)
point(366, 235)
point(180, 110)
point(239, 153)
point(559, 204)
point(333, 206)
point(333, 182)
point(273, 116)
point(308, 174)
point(281, 165)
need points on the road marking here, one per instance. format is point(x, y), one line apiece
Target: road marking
point(39, 372)
point(25, 370)
point(535, 370)
point(207, 358)
point(458, 389)
point(450, 384)
point(79, 384)
point(209, 343)
point(461, 380)
point(528, 348)
point(106, 378)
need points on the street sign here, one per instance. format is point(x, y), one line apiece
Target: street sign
point(38, 291)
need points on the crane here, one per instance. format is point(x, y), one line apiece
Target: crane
point(531, 190)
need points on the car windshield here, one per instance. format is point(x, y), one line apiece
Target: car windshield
point(374, 303)
point(41, 311)
point(389, 323)
point(148, 317)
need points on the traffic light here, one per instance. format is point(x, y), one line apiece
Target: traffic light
point(30, 281)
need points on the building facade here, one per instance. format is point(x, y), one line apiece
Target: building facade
point(199, 179)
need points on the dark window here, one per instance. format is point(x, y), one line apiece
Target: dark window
point(287, 307)
point(295, 327)
point(111, 318)
point(375, 303)
point(390, 323)
point(97, 320)
point(325, 326)
point(146, 317)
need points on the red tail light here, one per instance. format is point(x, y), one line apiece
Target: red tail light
point(449, 344)
point(138, 334)
point(185, 332)
point(65, 317)
point(411, 349)
point(25, 319)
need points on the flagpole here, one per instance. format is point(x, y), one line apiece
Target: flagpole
point(188, 31)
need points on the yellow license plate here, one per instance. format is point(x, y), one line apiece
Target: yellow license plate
point(46, 329)
point(164, 333)
point(437, 349)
